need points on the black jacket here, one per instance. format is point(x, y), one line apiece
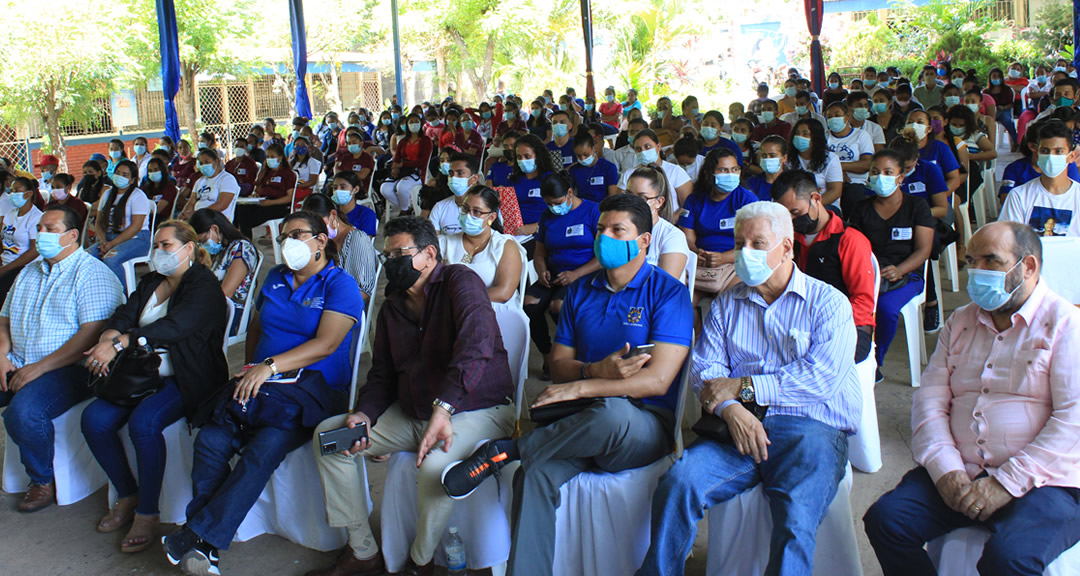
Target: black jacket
point(193, 332)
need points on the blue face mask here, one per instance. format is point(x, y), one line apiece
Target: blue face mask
point(767, 116)
point(770, 165)
point(995, 81)
point(459, 186)
point(739, 137)
point(587, 161)
point(613, 253)
point(726, 182)
point(1064, 102)
point(120, 181)
point(207, 170)
point(154, 177)
point(17, 200)
point(485, 115)
point(802, 110)
point(752, 266)
point(646, 157)
point(46, 175)
point(395, 115)
point(342, 197)
point(562, 209)
point(564, 107)
point(332, 125)
point(837, 124)
point(468, 125)
point(860, 114)
point(986, 287)
point(880, 107)
point(801, 143)
point(212, 246)
point(444, 168)
point(115, 154)
point(471, 225)
point(883, 185)
point(560, 130)
point(589, 107)
point(386, 121)
point(140, 149)
point(273, 163)
point(834, 85)
point(1053, 164)
point(1041, 78)
point(354, 149)
point(48, 244)
point(709, 133)
point(869, 83)
point(951, 101)
point(300, 151)
point(527, 165)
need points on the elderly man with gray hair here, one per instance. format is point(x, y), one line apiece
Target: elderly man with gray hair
point(775, 363)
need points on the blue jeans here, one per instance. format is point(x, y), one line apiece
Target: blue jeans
point(806, 463)
point(133, 248)
point(224, 495)
point(30, 413)
point(1027, 534)
point(888, 314)
point(1005, 117)
point(101, 424)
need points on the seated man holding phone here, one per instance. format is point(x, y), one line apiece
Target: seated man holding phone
point(439, 383)
point(629, 421)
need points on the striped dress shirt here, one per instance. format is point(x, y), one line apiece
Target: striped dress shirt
point(799, 350)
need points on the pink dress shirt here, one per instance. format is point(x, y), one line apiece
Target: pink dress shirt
point(1006, 402)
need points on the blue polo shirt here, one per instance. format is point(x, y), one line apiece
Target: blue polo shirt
point(924, 182)
point(759, 187)
point(714, 222)
point(1022, 171)
point(592, 182)
point(530, 202)
point(363, 218)
point(938, 153)
point(627, 107)
point(654, 307)
point(290, 318)
point(566, 151)
point(724, 143)
point(499, 174)
point(569, 238)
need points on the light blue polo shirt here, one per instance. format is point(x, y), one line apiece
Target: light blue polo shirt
point(654, 307)
point(290, 318)
point(591, 182)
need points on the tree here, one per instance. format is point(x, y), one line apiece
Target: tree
point(56, 60)
point(646, 44)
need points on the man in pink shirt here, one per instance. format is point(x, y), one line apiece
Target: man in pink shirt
point(996, 423)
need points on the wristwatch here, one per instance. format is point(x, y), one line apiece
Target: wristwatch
point(445, 406)
point(746, 391)
point(117, 345)
point(270, 364)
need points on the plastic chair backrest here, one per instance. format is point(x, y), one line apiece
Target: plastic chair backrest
point(691, 272)
point(357, 350)
point(245, 317)
point(230, 313)
point(514, 327)
point(682, 380)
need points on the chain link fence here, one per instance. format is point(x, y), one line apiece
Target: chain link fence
point(14, 149)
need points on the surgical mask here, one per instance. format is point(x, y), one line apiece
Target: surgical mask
point(834, 85)
point(586, 162)
point(485, 115)
point(958, 82)
point(956, 130)
point(973, 107)
point(1059, 69)
point(880, 107)
point(296, 253)
point(613, 253)
point(386, 121)
point(767, 116)
point(342, 196)
point(468, 125)
point(59, 194)
point(355, 125)
point(752, 266)
point(802, 110)
point(726, 182)
point(115, 154)
point(869, 83)
point(300, 151)
point(444, 168)
point(331, 231)
point(1041, 78)
point(920, 130)
point(295, 134)
point(789, 92)
point(414, 127)
point(154, 176)
point(139, 149)
point(590, 107)
point(562, 209)
point(527, 165)
point(883, 185)
point(121, 181)
point(273, 163)
point(951, 101)
point(509, 116)
point(18, 200)
point(471, 225)
point(709, 133)
point(207, 170)
point(660, 114)
point(1064, 102)
point(770, 165)
point(860, 114)
point(354, 149)
point(902, 102)
point(646, 157)
point(987, 288)
point(739, 137)
point(48, 244)
point(801, 143)
point(564, 107)
point(332, 125)
point(400, 274)
point(459, 186)
point(837, 124)
point(165, 262)
point(203, 146)
point(547, 100)
point(995, 81)
point(1014, 74)
point(239, 152)
point(534, 112)
point(609, 97)
point(395, 115)
point(560, 130)
point(1053, 164)
point(46, 175)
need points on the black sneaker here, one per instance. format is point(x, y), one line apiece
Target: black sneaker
point(202, 560)
point(878, 376)
point(931, 319)
point(179, 543)
point(461, 478)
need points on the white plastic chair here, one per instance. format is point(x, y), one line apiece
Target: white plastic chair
point(273, 228)
point(978, 199)
point(245, 316)
point(86, 225)
point(990, 179)
point(964, 218)
point(691, 272)
point(129, 266)
point(533, 274)
point(912, 314)
point(958, 552)
point(481, 519)
point(523, 284)
point(369, 317)
point(740, 530)
point(865, 446)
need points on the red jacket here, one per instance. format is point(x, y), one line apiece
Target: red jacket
point(840, 256)
point(413, 156)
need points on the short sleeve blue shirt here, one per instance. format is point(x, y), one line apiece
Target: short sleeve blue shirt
point(926, 181)
point(530, 202)
point(1022, 171)
point(592, 182)
point(714, 222)
point(566, 151)
point(759, 187)
point(499, 174)
point(289, 318)
point(654, 307)
point(364, 218)
point(569, 238)
point(937, 152)
point(724, 143)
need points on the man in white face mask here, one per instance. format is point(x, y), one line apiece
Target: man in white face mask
point(994, 423)
point(775, 363)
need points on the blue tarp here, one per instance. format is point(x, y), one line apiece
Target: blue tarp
point(170, 65)
point(299, 46)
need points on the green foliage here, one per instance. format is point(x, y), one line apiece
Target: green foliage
point(866, 41)
point(1054, 30)
point(968, 51)
point(646, 46)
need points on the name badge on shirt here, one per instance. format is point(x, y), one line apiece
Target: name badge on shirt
point(241, 171)
point(916, 188)
point(575, 230)
point(357, 167)
point(727, 223)
point(901, 233)
point(596, 181)
point(534, 193)
point(275, 179)
point(567, 160)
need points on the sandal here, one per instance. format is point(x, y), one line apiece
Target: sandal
point(122, 513)
point(142, 533)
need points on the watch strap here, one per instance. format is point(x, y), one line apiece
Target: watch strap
point(444, 405)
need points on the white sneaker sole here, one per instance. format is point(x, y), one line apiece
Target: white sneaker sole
point(197, 564)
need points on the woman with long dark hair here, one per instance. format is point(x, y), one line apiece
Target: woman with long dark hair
point(123, 221)
point(232, 258)
point(482, 246)
point(809, 141)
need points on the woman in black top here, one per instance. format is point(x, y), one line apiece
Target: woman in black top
point(901, 231)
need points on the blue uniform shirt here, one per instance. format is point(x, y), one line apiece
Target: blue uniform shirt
point(724, 143)
point(653, 307)
point(530, 202)
point(759, 187)
point(714, 222)
point(566, 151)
point(499, 174)
point(289, 318)
point(569, 238)
point(938, 153)
point(1022, 171)
point(591, 182)
point(924, 182)
point(364, 219)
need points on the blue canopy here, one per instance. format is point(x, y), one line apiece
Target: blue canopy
point(299, 46)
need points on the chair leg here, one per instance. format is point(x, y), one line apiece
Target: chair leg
point(952, 267)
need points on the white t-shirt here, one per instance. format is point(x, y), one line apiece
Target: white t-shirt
point(793, 117)
point(829, 173)
point(852, 148)
point(667, 238)
point(1033, 205)
point(18, 232)
point(444, 215)
point(152, 312)
point(137, 204)
point(625, 158)
point(143, 164)
point(306, 169)
point(676, 177)
point(693, 169)
point(208, 190)
point(877, 135)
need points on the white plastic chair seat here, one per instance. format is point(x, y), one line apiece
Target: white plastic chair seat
point(129, 265)
point(176, 485)
point(952, 267)
point(245, 316)
point(912, 314)
point(77, 473)
point(740, 530)
point(865, 446)
point(958, 552)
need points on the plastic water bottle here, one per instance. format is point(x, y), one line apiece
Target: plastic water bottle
point(455, 554)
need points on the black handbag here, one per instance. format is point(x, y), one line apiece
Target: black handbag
point(544, 415)
point(715, 428)
point(133, 376)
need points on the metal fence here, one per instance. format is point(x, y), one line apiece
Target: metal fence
point(14, 149)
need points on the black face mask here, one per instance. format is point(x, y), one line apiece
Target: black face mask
point(400, 274)
point(805, 224)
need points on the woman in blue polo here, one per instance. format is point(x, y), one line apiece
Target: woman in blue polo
point(533, 163)
point(306, 308)
point(564, 253)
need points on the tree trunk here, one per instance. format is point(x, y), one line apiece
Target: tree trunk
point(440, 70)
point(52, 127)
point(187, 94)
point(334, 101)
point(479, 84)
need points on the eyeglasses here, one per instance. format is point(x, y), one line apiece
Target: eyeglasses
point(386, 256)
point(648, 198)
point(734, 170)
point(476, 212)
point(295, 234)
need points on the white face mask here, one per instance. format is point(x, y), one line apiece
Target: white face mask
point(296, 253)
point(165, 262)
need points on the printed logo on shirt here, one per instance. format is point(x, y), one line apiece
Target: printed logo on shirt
point(634, 316)
point(901, 233)
point(596, 181)
point(575, 230)
point(844, 152)
point(8, 236)
point(316, 303)
point(534, 193)
point(1045, 220)
point(727, 223)
point(275, 179)
point(567, 160)
point(684, 213)
point(277, 286)
point(204, 192)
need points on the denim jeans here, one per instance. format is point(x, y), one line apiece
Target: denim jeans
point(101, 424)
point(1027, 534)
point(224, 495)
point(28, 418)
point(133, 248)
point(806, 463)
